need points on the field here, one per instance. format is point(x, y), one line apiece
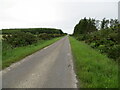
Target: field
point(93, 69)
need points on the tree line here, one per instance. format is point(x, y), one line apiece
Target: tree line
point(86, 26)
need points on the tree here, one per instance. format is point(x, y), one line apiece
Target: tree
point(104, 23)
point(85, 26)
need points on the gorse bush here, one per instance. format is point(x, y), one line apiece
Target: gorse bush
point(46, 36)
point(20, 39)
point(114, 52)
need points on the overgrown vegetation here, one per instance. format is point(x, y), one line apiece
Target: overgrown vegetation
point(18, 43)
point(19, 39)
point(104, 35)
point(93, 69)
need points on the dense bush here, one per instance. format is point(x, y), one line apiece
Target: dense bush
point(45, 36)
point(114, 52)
point(20, 39)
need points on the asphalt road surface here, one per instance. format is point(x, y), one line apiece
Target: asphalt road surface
point(51, 67)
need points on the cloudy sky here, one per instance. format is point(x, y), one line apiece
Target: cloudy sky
point(61, 14)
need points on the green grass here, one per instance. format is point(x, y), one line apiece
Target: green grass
point(93, 69)
point(0, 36)
point(13, 55)
point(0, 54)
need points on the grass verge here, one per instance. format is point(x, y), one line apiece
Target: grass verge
point(93, 69)
point(16, 54)
point(0, 54)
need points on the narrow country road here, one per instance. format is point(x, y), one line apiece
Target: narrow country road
point(51, 67)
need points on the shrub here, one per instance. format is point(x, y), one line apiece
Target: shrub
point(20, 39)
point(44, 36)
point(114, 52)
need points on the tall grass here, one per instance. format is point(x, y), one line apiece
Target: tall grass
point(10, 56)
point(93, 69)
